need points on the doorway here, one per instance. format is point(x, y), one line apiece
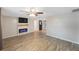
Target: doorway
point(40, 25)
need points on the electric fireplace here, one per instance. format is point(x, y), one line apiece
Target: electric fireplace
point(23, 30)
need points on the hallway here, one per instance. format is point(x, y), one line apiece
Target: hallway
point(37, 41)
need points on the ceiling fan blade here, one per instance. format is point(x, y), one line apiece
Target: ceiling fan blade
point(39, 12)
point(25, 11)
point(27, 14)
point(36, 14)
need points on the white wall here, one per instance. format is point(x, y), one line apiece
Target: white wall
point(44, 24)
point(31, 24)
point(36, 25)
point(9, 26)
point(63, 27)
point(76, 14)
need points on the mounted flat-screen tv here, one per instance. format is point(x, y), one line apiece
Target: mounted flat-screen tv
point(23, 20)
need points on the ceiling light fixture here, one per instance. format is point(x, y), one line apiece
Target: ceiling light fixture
point(32, 15)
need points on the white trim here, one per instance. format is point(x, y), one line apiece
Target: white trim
point(63, 39)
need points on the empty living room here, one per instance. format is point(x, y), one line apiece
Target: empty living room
point(39, 29)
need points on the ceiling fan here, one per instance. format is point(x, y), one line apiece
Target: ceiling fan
point(32, 12)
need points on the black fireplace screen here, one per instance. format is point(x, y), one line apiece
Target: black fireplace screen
point(23, 30)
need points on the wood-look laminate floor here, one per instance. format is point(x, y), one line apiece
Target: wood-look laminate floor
point(37, 41)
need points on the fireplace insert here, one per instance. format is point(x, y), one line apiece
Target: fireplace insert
point(23, 30)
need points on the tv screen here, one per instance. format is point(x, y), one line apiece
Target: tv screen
point(23, 20)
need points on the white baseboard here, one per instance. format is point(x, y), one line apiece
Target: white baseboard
point(63, 39)
point(9, 36)
point(16, 35)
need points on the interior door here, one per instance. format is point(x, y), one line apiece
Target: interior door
point(40, 25)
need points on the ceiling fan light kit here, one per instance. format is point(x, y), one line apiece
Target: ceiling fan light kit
point(32, 11)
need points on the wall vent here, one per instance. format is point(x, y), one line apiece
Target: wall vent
point(75, 10)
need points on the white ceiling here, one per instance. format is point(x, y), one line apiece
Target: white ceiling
point(48, 11)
